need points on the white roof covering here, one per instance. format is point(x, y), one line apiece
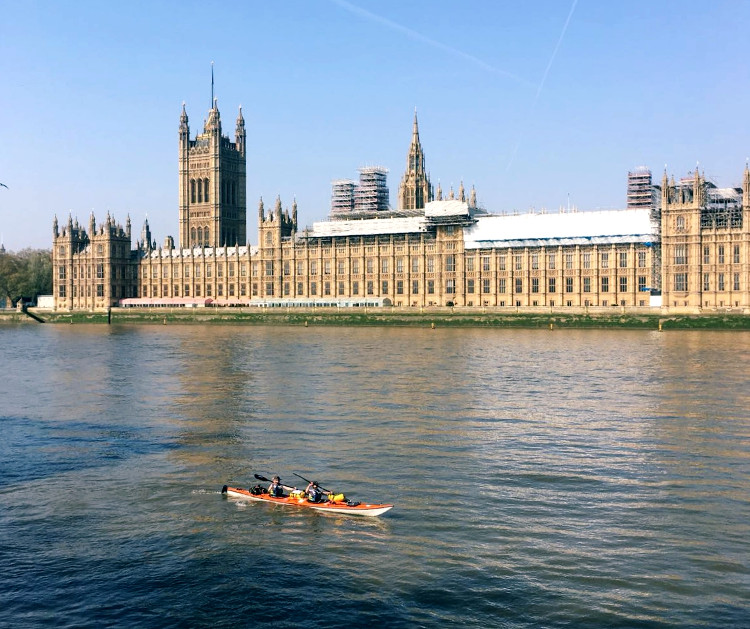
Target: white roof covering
point(601, 227)
point(451, 207)
point(366, 227)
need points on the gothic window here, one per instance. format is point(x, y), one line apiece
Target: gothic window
point(200, 191)
point(623, 284)
point(192, 191)
point(680, 223)
point(205, 190)
point(192, 236)
point(450, 263)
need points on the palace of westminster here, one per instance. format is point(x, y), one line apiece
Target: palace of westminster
point(688, 240)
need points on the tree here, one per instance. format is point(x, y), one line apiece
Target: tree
point(27, 273)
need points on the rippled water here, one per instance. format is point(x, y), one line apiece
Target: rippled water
point(541, 479)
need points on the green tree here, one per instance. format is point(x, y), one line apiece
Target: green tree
point(27, 273)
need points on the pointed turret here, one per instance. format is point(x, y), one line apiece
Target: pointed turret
point(55, 231)
point(277, 209)
point(213, 124)
point(294, 213)
point(261, 210)
point(239, 133)
point(146, 236)
point(461, 192)
point(746, 187)
point(473, 197)
point(184, 127)
point(127, 227)
point(439, 194)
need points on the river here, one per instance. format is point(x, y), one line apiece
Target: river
point(566, 478)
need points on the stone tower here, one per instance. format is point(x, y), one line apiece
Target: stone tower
point(212, 184)
point(415, 189)
point(274, 228)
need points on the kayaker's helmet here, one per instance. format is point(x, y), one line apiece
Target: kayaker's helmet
point(277, 479)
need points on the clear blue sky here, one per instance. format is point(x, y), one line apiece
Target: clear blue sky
point(530, 102)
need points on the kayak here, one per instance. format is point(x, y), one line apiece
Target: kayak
point(349, 508)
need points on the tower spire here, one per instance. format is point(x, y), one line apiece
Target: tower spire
point(212, 85)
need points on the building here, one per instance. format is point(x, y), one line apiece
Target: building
point(446, 252)
point(705, 244)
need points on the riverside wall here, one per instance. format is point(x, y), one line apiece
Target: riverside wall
point(402, 317)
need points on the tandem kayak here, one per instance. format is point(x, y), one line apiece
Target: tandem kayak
point(360, 508)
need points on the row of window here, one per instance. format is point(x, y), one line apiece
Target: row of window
point(399, 287)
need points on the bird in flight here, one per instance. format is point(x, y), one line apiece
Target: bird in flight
point(4, 186)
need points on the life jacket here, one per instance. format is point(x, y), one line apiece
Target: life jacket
point(276, 491)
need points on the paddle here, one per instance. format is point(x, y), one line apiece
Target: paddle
point(309, 481)
point(268, 480)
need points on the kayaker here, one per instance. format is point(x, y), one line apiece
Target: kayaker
point(314, 494)
point(275, 489)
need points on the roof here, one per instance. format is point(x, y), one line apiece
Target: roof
point(367, 227)
point(567, 228)
point(451, 207)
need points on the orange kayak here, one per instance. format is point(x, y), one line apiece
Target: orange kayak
point(349, 508)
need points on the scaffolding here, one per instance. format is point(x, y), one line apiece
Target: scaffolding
point(642, 194)
point(342, 197)
point(371, 195)
point(640, 188)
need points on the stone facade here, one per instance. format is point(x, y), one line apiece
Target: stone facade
point(705, 244)
point(446, 252)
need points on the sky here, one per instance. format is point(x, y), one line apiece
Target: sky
point(539, 105)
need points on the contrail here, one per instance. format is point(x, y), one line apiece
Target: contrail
point(430, 42)
point(544, 78)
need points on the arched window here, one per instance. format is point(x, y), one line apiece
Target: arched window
point(200, 191)
point(200, 236)
point(192, 236)
point(205, 190)
point(192, 191)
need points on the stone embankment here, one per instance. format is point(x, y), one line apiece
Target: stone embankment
point(403, 317)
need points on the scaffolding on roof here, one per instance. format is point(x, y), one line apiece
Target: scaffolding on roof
point(640, 188)
point(342, 197)
point(371, 195)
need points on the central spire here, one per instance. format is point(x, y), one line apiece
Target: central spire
point(415, 189)
point(213, 100)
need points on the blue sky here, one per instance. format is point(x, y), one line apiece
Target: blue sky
point(530, 102)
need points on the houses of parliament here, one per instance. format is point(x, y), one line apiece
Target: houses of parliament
point(685, 239)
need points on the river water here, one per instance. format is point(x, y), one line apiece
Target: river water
point(567, 478)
